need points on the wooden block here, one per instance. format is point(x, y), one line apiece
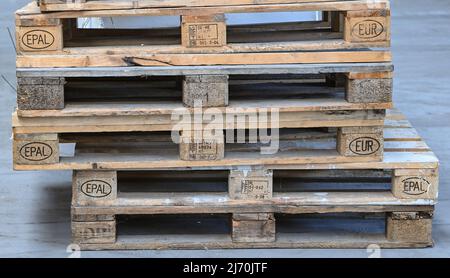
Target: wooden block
point(39, 38)
point(94, 187)
point(415, 184)
point(413, 227)
point(203, 148)
point(94, 232)
point(367, 26)
point(36, 149)
point(253, 231)
point(203, 31)
point(360, 141)
point(250, 184)
point(369, 88)
point(40, 93)
point(206, 90)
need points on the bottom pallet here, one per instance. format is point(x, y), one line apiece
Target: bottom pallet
point(404, 229)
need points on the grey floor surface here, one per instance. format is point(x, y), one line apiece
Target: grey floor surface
point(34, 206)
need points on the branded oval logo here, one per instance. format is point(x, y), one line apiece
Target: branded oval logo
point(38, 39)
point(415, 186)
point(368, 29)
point(364, 146)
point(96, 188)
point(36, 151)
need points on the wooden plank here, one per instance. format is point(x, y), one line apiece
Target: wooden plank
point(58, 5)
point(32, 10)
point(204, 70)
point(58, 61)
point(284, 241)
point(290, 203)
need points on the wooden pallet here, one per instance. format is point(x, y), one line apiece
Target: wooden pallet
point(268, 208)
point(50, 89)
point(296, 148)
point(359, 133)
point(381, 226)
point(345, 35)
point(329, 205)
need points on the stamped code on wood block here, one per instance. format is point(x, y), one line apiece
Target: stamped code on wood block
point(203, 149)
point(254, 188)
point(364, 146)
point(204, 35)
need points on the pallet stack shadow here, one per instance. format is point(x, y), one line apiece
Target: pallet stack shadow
point(349, 172)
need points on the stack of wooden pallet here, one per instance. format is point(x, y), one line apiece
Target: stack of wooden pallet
point(349, 170)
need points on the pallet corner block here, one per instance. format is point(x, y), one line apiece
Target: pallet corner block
point(360, 141)
point(94, 187)
point(36, 149)
point(35, 39)
point(415, 184)
point(369, 87)
point(411, 227)
point(40, 93)
point(97, 232)
point(367, 26)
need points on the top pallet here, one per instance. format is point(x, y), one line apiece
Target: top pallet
point(348, 32)
point(98, 5)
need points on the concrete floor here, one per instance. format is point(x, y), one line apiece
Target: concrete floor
point(34, 206)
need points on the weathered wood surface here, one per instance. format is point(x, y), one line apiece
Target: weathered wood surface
point(205, 70)
point(83, 5)
point(200, 9)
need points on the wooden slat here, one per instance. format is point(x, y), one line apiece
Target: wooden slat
point(58, 5)
point(202, 59)
point(199, 70)
point(32, 10)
